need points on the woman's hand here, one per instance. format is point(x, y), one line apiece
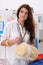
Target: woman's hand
point(11, 42)
point(16, 40)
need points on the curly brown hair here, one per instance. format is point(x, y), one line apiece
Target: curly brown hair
point(29, 23)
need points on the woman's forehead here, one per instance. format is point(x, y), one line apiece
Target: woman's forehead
point(23, 9)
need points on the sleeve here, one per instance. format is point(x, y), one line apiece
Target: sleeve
point(14, 31)
point(6, 32)
point(11, 31)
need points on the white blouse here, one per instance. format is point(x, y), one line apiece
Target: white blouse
point(12, 30)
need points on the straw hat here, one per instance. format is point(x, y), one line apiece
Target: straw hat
point(26, 52)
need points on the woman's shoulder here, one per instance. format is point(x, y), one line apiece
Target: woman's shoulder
point(12, 22)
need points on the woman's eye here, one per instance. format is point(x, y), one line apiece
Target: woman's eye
point(26, 13)
point(21, 11)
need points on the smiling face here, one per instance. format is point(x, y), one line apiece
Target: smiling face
point(23, 14)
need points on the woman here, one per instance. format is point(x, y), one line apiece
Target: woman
point(20, 30)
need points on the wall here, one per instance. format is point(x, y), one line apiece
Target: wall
point(14, 4)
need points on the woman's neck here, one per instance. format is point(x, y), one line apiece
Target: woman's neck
point(21, 22)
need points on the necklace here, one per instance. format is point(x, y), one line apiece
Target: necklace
point(19, 30)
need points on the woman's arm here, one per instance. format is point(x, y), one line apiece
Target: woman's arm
point(6, 39)
point(11, 42)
